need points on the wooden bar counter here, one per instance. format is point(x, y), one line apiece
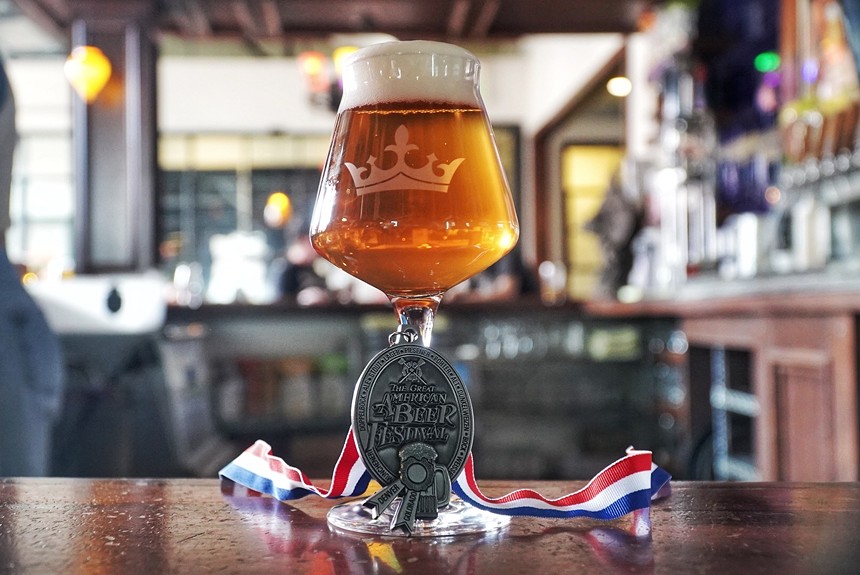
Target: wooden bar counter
point(201, 526)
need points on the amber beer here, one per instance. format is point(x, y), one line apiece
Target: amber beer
point(413, 236)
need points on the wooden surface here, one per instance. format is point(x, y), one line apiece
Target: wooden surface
point(724, 303)
point(197, 526)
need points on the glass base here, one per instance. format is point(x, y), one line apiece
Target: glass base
point(457, 518)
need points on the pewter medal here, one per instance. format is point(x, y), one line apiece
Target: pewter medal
point(414, 426)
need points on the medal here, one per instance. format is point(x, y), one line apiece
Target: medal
point(414, 426)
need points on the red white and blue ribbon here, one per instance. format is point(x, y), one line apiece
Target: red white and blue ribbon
point(257, 469)
point(624, 486)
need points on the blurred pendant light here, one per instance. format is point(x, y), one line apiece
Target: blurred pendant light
point(322, 70)
point(619, 86)
point(314, 67)
point(88, 70)
point(340, 54)
point(278, 210)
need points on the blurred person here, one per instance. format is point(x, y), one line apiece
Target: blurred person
point(31, 365)
point(504, 281)
point(617, 225)
point(300, 280)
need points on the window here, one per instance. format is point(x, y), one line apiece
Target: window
point(42, 204)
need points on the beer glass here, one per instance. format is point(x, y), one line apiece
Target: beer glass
point(413, 198)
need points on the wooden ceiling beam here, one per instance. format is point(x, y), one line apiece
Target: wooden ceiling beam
point(250, 26)
point(457, 18)
point(485, 18)
point(48, 19)
point(194, 18)
point(259, 20)
point(272, 23)
point(247, 21)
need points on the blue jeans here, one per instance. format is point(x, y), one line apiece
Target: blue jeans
point(31, 379)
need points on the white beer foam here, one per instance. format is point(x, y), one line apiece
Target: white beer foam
point(370, 76)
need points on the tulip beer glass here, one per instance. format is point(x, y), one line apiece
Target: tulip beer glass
point(413, 198)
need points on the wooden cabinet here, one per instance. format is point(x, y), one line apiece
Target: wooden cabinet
point(803, 373)
point(802, 370)
point(803, 429)
point(811, 386)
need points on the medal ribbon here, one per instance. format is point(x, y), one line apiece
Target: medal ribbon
point(626, 485)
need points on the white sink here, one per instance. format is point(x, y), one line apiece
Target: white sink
point(103, 304)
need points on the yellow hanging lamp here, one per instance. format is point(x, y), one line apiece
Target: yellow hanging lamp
point(88, 70)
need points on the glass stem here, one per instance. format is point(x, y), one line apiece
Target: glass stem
point(418, 313)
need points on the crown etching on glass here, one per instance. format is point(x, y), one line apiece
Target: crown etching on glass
point(402, 176)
